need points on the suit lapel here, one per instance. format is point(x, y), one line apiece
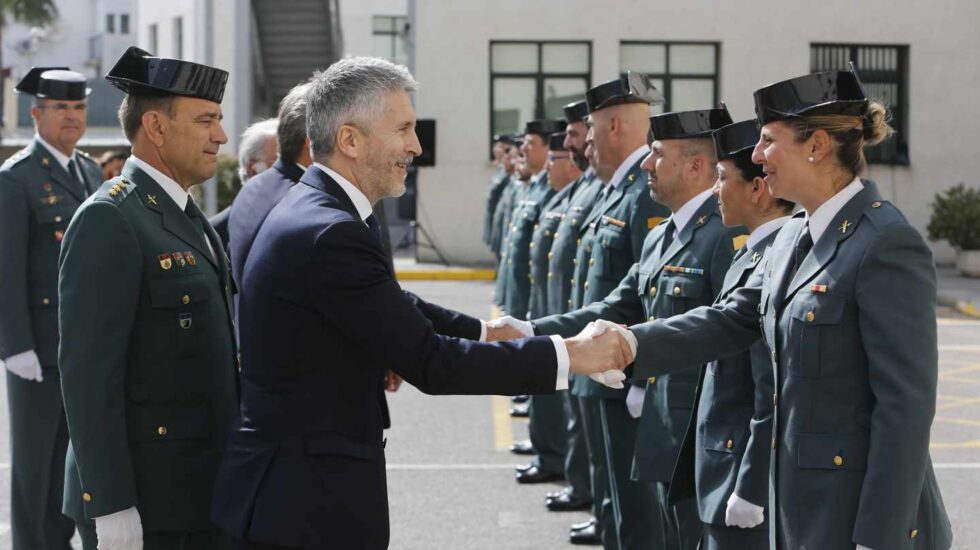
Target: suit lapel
point(174, 219)
point(839, 230)
point(697, 221)
point(56, 172)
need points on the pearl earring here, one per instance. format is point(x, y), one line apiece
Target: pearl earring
point(809, 159)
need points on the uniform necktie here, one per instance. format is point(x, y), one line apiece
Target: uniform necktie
point(803, 246)
point(374, 226)
point(668, 236)
point(194, 213)
point(73, 172)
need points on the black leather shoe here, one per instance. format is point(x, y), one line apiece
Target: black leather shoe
point(588, 536)
point(583, 525)
point(567, 502)
point(519, 399)
point(534, 475)
point(522, 448)
point(523, 467)
point(519, 411)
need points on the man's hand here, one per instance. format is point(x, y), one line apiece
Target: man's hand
point(508, 328)
point(120, 531)
point(634, 401)
point(392, 381)
point(25, 365)
point(598, 349)
point(742, 513)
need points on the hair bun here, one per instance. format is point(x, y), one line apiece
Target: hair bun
point(875, 123)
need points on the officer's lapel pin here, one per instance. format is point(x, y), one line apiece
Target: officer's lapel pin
point(45, 161)
point(631, 177)
point(151, 199)
point(844, 226)
point(702, 219)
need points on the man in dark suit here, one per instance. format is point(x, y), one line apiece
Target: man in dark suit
point(148, 356)
point(41, 187)
point(266, 189)
point(256, 154)
point(322, 317)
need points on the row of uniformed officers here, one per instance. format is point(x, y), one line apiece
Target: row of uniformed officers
point(780, 398)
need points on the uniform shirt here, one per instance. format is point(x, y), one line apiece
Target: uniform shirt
point(684, 214)
point(363, 207)
point(173, 189)
point(765, 230)
point(620, 174)
point(822, 216)
point(62, 158)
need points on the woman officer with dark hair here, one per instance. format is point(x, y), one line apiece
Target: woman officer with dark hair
point(845, 302)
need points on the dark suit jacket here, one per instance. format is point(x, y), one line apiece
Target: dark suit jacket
point(252, 204)
point(219, 222)
point(322, 317)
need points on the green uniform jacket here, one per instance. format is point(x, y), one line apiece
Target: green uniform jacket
point(561, 261)
point(611, 241)
point(148, 357)
point(497, 185)
point(37, 200)
point(501, 215)
point(540, 249)
point(855, 372)
point(512, 196)
point(690, 273)
point(517, 269)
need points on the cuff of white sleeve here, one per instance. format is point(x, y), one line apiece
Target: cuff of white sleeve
point(564, 363)
point(483, 330)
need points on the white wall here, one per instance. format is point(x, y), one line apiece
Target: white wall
point(356, 25)
point(65, 42)
point(452, 44)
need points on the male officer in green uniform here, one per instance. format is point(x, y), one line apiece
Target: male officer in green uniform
point(148, 355)
point(547, 412)
point(41, 186)
point(502, 210)
point(512, 196)
point(683, 267)
point(497, 185)
point(611, 241)
point(578, 469)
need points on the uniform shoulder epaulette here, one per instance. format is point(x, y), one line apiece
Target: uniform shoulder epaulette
point(883, 213)
point(17, 158)
point(116, 190)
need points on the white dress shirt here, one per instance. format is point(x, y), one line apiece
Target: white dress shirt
point(173, 190)
point(765, 230)
point(684, 214)
point(826, 212)
point(634, 157)
point(363, 207)
point(58, 155)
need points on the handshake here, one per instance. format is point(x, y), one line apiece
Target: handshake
point(601, 351)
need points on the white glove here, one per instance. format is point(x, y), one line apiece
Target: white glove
point(859, 547)
point(120, 531)
point(25, 365)
point(524, 327)
point(611, 378)
point(742, 513)
point(634, 401)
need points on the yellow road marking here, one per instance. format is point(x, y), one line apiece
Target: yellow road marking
point(957, 402)
point(959, 379)
point(973, 444)
point(968, 368)
point(503, 432)
point(954, 420)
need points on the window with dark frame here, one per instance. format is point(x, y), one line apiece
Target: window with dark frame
point(389, 35)
point(687, 73)
point(124, 23)
point(531, 80)
point(110, 23)
point(179, 37)
point(151, 40)
point(883, 70)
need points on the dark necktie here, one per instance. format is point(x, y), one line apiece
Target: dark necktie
point(374, 226)
point(73, 172)
point(197, 218)
point(803, 246)
point(668, 237)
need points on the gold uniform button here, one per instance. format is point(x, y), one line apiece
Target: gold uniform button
point(550, 274)
point(531, 245)
point(574, 221)
point(185, 299)
point(578, 242)
point(551, 255)
point(586, 284)
point(569, 302)
point(86, 497)
point(653, 292)
point(652, 380)
point(547, 232)
point(877, 204)
point(677, 291)
point(162, 430)
point(591, 262)
point(838, 461)
point(729, 444)
point(57, 219)
point(46, 301)
point(810, 317)
point(913, 533)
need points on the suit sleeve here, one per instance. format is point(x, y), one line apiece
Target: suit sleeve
point(355, 292)
point(446, 321)
point(753, 472)
point(96, 318)
point(622, 306)
point(700, 335)
point(15, 320)
point(899, 338)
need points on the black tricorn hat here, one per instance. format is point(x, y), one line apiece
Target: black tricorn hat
point(53, 83)
point(735, 138)
point(576, 111)
point(830, 92)
point(632, 88)
point(545, 127)
point(689, 124)
point(556, 142)
point(137, 72)
point(507, 139)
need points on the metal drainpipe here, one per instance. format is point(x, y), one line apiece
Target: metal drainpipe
point(210, 186)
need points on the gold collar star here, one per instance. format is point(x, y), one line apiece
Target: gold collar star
point(755, 257)
point(843, 227)
point(45, 161)
point(151, 199)
point(631, 177)
point(702, 219)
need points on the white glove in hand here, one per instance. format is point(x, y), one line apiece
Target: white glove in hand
point(634, 401)
point(742, 513)
point(120, 531)
point(524, 327)
point(611, 378)
point(25, 365)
